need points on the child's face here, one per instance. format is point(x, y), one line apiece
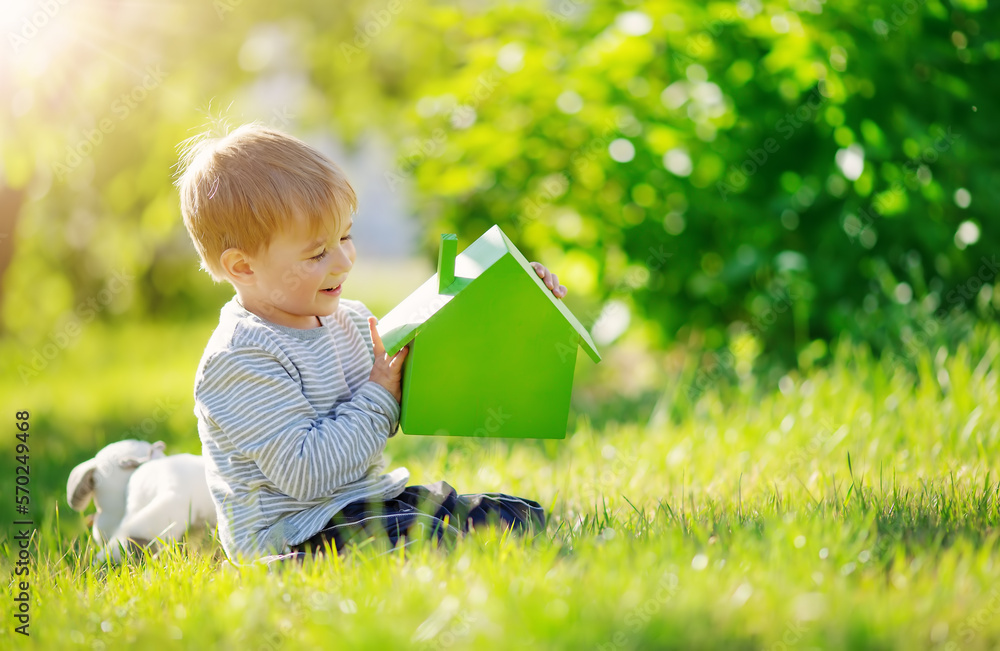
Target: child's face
point(298, 277)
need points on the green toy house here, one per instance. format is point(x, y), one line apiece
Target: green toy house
point(492, 351)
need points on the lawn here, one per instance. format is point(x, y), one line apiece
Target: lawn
point(855, 506)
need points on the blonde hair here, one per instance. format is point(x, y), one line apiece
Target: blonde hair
point(238, 190)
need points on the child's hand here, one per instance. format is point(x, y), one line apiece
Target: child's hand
point(387, 371)
point(550, 279)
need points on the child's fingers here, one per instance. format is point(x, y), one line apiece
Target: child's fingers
point(400, 356)
point(550, 279)
point(376, 339)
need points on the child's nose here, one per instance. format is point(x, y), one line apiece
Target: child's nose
point(342, 261)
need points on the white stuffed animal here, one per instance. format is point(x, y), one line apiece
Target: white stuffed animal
point(140, 495)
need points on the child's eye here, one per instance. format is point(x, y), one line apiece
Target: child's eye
point(347, 237)
point(321, 255)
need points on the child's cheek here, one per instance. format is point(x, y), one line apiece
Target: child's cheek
point(309, 270)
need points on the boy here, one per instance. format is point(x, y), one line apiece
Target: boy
point(295, 396)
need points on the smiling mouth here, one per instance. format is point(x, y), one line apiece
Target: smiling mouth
point(331, 290)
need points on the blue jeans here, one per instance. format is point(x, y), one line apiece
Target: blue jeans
point(433, 511)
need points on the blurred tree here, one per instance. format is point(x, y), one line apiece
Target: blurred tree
point(794, 167)
point(726, 164)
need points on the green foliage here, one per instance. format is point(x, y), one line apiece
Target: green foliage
point(726, 198)
point(721, 201)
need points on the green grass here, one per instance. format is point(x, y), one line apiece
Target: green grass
point(855, 508)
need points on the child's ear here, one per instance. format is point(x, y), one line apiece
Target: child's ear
point(236, 264)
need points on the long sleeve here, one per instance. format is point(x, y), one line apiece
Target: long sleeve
point(259, 407)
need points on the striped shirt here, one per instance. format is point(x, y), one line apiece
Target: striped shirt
point(292, 430)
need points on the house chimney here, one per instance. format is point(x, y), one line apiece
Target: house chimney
point(446, 261)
